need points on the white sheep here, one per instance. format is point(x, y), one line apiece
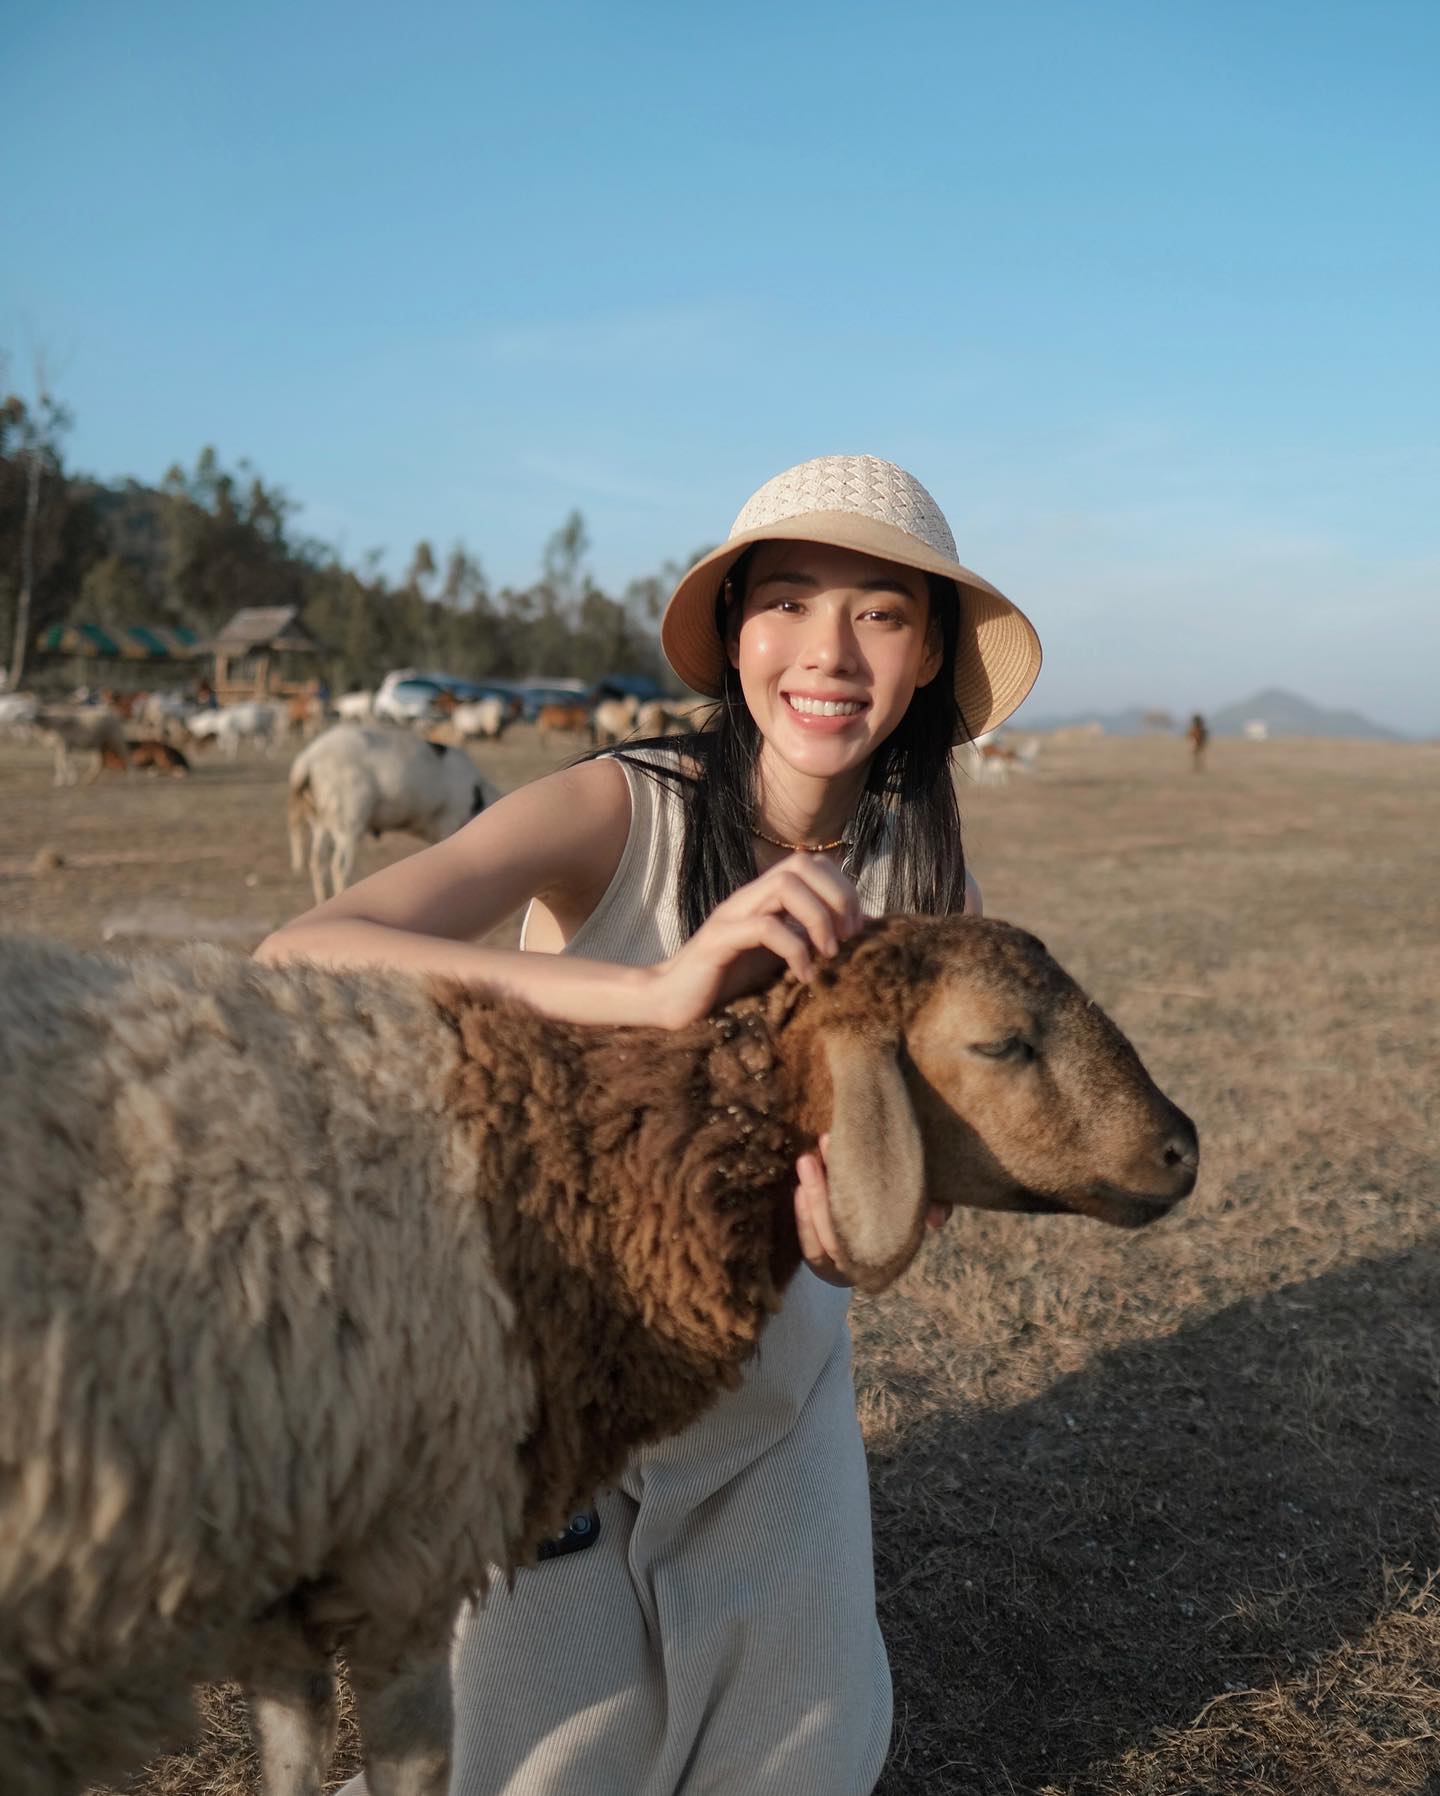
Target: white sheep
point(355, 707)
point(484, 717)
point(253, 720)
point(157, 710)
point(614, 719)
point(353, 781)
point(323, 1294)
point(17, 712)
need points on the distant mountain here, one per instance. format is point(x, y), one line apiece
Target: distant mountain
point(1282, 713)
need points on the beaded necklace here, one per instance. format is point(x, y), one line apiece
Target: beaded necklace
point(799, 847)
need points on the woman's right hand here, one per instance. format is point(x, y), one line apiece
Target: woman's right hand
point(795, 914)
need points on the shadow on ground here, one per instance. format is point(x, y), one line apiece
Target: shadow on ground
point(1195, 1514)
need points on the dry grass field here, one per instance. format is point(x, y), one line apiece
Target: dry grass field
point(1156, 1514)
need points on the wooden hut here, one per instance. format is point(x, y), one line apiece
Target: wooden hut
point(246, 648)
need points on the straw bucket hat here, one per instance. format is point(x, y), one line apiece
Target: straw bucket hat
point(860, 502)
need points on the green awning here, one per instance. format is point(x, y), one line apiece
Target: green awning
point(138, 642)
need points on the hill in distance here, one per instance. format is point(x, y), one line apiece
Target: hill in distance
point(1282, 713)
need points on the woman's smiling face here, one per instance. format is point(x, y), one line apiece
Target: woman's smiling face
point(830, 647)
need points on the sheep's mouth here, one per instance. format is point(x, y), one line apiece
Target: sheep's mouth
point(1102, 1203)
point(1125, 1209)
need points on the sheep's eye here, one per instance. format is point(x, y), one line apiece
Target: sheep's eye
point(1009, 1047)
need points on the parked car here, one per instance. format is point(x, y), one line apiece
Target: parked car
point(641, 687)
point(408, 696)
point(535, 694)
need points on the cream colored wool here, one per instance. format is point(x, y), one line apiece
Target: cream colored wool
point(248, 1309)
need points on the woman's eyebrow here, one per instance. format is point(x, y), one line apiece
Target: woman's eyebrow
point(789, 579)
point(881, 583)
point(886, 585)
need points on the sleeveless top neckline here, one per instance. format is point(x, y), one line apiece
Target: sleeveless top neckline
point(637, 921)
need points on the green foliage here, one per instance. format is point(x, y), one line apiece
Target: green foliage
point(209, 541)
point(66, 537)
point(225, 544)
point(113, 591)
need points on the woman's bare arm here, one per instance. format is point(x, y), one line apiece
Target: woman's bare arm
point(560, 840)
point(561, 836)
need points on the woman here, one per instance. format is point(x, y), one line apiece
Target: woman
point(720, 1633)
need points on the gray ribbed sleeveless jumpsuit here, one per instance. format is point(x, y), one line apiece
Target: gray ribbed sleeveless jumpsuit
point(721, 1634)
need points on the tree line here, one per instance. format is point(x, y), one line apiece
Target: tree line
point(211, 539)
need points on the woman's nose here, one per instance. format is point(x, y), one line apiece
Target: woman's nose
point(829, 646)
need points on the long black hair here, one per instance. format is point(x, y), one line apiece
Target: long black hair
point(908, 802)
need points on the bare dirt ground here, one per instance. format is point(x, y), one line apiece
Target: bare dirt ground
point(1155, 1514)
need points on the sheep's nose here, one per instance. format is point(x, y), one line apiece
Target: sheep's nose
point(1181, 1154)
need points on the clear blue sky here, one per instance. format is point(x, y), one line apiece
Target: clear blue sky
point(1146, 294)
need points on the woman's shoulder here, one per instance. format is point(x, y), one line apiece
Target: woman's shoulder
point(566, 828)
point(663, 772)
point(674, 758)
point(596, 782)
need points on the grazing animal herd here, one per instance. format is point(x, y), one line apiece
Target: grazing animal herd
point(98, 731)
point(326, 1296)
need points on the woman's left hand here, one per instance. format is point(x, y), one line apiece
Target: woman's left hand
point(816, 1226)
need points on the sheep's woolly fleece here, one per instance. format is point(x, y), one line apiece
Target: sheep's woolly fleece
point(264, 1221)
point(254, 1215)
point(322, 1293)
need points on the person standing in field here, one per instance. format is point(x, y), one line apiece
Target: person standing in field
point(711, 1626)
point(1197, 736)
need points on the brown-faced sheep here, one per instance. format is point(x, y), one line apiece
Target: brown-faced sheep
point(321, 1293)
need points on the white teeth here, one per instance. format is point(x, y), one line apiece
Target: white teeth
point(826, 707)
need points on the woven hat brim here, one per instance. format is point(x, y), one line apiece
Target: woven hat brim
point(998, 658)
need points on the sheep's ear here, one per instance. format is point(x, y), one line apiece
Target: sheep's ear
point(875, 1162)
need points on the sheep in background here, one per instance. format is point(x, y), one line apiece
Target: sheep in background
point(560, 719)
point(166, 714)
point(253, 720)
point(692, 713)
point(654, 718)
point(614, 719)
point(484, 717)
point(990, 762)
point(321, 1294)
point(149, 754)
point(304, 714)
point(353, 781)
point(156, 756)
point(81, 729)
point(17, 713)
point(355, 707)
